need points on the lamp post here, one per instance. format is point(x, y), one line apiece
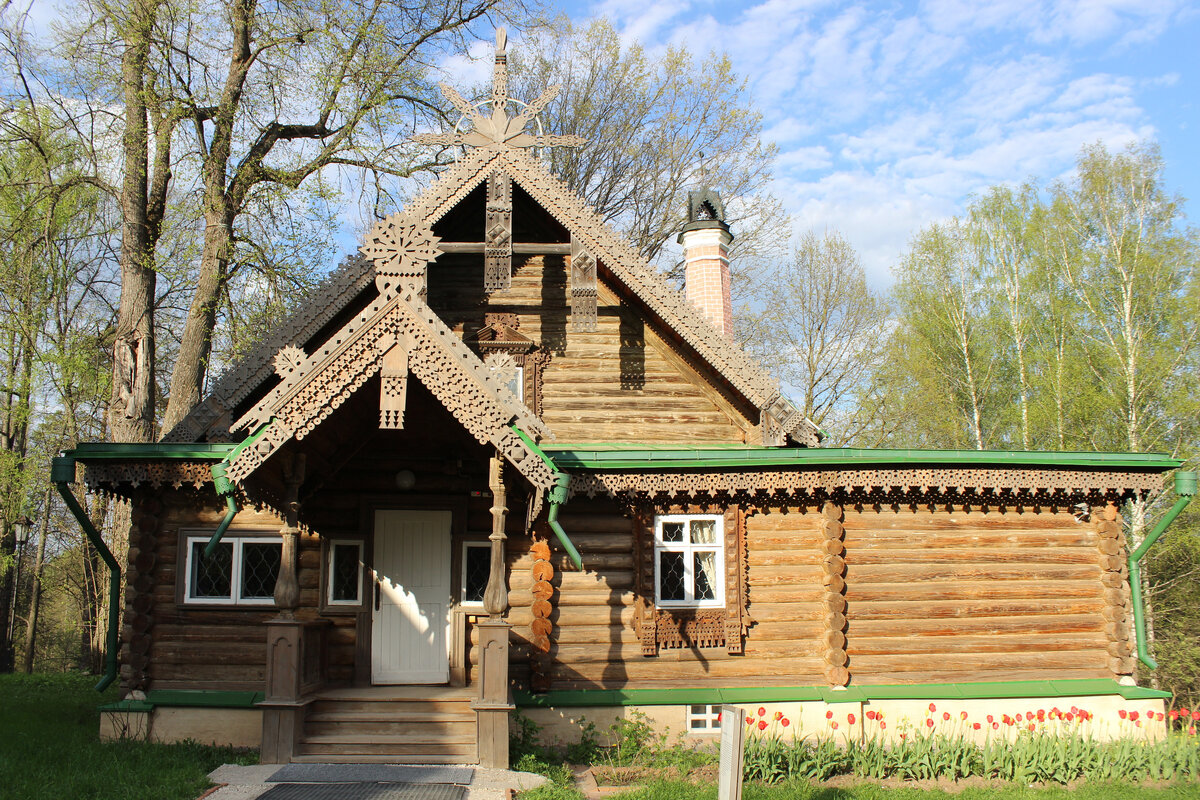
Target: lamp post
point(21, 535)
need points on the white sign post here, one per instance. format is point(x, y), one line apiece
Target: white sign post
point(733, 740)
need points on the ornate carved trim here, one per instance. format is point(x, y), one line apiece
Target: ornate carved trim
point(497, 233)
point(583, 287)
point(155, 474)
point(500, 335)
point(891, 485)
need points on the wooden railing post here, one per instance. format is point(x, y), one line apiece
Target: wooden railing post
point(493, 705)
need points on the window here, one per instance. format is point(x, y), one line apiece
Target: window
point(476, 564)
point(242, 571)
point(689, 561)
point(703, 719)
point(344, 580)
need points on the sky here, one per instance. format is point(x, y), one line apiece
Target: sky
point(889, 115)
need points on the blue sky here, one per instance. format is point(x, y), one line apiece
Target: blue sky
point(889, 115)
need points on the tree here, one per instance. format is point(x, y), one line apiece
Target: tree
point(655, 127)
point(820, 329)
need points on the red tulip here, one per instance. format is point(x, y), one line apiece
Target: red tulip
point(1068, 716)
point(718, 717)
point(963, 714)
point(928, 723)
point(1122, 713)
point(883, 725)
point(1191, 730)
point(976, 726)
point(850, 718)
point(870, 715)
point(1196, 716)
point(785, 722)
point(932, 707)
point(904, 736)
point(1019, 718)
point(990, 718)
point(995, 726)
point(749, 720)
point(1133, 715)
point(762, 712)
point(1158, 716)
point(1032, 727)
point(945, 716)
point(1174, 715)
point(828, 715)
point(762, 724)
point(778, 715)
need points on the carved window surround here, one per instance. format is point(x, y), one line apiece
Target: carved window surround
point(500, 336)
point(674, 628)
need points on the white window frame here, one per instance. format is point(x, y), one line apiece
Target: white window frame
point(709, 715)
point(689, 549)
point(235, 588)
point(333, 544)
point(462, 578)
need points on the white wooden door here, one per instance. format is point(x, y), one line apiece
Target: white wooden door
point(410, 628)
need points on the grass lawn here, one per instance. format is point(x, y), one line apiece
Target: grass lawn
point(50, 748)
point(804, 791)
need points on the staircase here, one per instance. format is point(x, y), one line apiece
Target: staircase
point(390, 724)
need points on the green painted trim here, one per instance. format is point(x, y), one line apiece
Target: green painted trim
point(1185, 487)
point(624, 457)
point(557, 496)
point(122, 451)
point(853, 694)
point(203, 698)
point(128, 705)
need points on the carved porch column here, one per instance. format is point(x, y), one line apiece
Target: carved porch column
point(493, 705)
point(283, 708)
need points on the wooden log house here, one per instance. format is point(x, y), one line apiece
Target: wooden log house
point(495, 461)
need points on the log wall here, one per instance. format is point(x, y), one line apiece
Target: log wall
point(620, 383)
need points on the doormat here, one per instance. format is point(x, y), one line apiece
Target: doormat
point(371, 773)
point(364, 791)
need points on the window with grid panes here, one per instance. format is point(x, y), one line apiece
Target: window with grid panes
point(703, 718)
point(344, 580)
point(689, 562)
point(477, 563)
point(241, 571)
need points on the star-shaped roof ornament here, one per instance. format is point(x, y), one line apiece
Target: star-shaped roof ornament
point(496, 129)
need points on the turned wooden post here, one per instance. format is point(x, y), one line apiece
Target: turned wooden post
point(283, 708)
point(492, 707)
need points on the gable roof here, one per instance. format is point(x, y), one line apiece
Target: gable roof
point(398, 332)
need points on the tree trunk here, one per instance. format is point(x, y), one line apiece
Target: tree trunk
point(36, 591)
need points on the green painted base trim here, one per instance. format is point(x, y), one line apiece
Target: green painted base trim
point(188, 698)
point(854, 694)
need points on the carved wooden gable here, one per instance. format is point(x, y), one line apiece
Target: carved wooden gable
point(400, 250)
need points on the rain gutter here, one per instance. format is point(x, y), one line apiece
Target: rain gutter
point(1185, 487)
point(62, 474)
point(225, 487)
point(557, 496)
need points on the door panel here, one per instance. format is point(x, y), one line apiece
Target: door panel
point(410, 627)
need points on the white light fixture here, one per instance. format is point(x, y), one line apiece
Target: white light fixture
point(405, 479)
point(21, 530)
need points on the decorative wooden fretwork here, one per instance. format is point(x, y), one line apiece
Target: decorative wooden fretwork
point(1111, 546)
point(393, 386)
point(504, 348)
point(497, 144)
point(497, 232)
point(583, 287)
point(661, 628)
point(833, 595)
point(869, 485)
point(155, 474)
point(541, 627)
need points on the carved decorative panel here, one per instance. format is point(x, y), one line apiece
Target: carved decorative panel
point(497, 232)
point(583, 287)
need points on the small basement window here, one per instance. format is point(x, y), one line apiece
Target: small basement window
point(242, 571)
point(344, 579)
point(703, 719)
point(476, 564)
point(689, 562)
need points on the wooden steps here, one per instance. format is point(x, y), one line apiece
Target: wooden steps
point(390, 724)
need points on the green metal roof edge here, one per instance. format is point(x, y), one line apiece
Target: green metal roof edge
point(121, 451)
point(614, 457)
point(853, 694)
point(128, 705)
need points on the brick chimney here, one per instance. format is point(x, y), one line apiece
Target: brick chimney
point(705, 239)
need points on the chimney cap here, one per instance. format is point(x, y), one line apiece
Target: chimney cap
point(705, 210)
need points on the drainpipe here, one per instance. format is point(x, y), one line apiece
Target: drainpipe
point(62, 473)
point(225, 487)
point(1185, 487)
point(556, 496)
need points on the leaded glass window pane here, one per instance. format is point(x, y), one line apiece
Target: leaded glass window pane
point(704, 531)
point(706, 575)
point(260, 569)
point(478, 563)
point(343, 573)
point(670, 576)
point(672, 531)
point(212, 577)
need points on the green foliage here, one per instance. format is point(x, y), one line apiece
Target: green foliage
point(51, 749)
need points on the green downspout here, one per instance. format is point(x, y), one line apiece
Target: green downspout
point(62, 473)
point(557, 496)
point(225, 488)
point(1185, 487)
